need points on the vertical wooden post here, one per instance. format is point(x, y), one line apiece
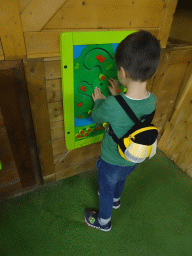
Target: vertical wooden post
point(11, 99)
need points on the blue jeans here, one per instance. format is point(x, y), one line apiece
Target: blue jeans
point(111, 181)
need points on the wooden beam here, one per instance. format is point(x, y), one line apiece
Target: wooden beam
point(109, 14)
point(38, 13)
point(47, 43)
point(177, 138)
point(11, 30)
point(13, 117)
point(166, 22)
point(34, 71)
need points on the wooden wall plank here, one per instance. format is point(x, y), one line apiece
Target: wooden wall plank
point(38, 13)
point(57, 130)
point(79, 155)
point(183, 85)
point(11, 94)
point(34, 70)
point(11, 30)
point(23, 4)
point(76, 169)
point(52, 69)
point(166, 85)
point(56, 111)
point(107, 14)
point(54, 90)
point(177, 139)
point(166, 21)
point(47, 43)
point(178, 56)
point(59, 147)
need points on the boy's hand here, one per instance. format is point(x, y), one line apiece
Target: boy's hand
point(97, 94)
point(114, 87)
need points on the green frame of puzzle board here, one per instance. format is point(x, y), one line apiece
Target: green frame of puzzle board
point(67, 41)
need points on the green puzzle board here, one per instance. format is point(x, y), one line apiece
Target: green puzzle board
point(87, 61)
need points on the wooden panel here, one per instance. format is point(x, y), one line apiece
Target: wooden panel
point(11, 30)
point(59, 146)
point(42, 44)
point(15, 126)
point(177, 139)
point(79, 155)
point(52, 69)
point(47, 43)
point(54, 90)
point(77, 168)
point(57, 130)
point(34, 70)
point(183, 85)
point(55, 111)
point(23, 4)
point(180, 56)
point(166, 87)
point(167, 18)
point(38, 13)
point(107, 14)
point(57, 158)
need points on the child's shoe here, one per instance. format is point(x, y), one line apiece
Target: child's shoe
point(91, 218)
point(116, 205)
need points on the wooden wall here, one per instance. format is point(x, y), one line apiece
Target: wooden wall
point(30, 30)
point(45, 90)
point(177, 139)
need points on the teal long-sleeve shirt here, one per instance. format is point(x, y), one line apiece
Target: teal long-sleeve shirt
point(109, 110)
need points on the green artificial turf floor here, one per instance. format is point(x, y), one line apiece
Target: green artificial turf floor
point(154, 217)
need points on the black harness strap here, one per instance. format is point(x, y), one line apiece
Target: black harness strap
point(131, 114)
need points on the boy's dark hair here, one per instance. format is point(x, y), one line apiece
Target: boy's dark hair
point(139, 55)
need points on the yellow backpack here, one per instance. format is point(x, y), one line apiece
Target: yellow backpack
point(140, 141)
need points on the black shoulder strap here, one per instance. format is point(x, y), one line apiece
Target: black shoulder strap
point(127, 109)
point(130, 112)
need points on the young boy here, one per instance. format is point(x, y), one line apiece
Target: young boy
point(137, 58)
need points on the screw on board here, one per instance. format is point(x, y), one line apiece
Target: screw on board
point(68, 132)
point(65, 66)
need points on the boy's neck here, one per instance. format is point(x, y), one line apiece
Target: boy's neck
point(136, 90)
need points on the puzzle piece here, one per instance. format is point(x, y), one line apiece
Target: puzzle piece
point(84, 132)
